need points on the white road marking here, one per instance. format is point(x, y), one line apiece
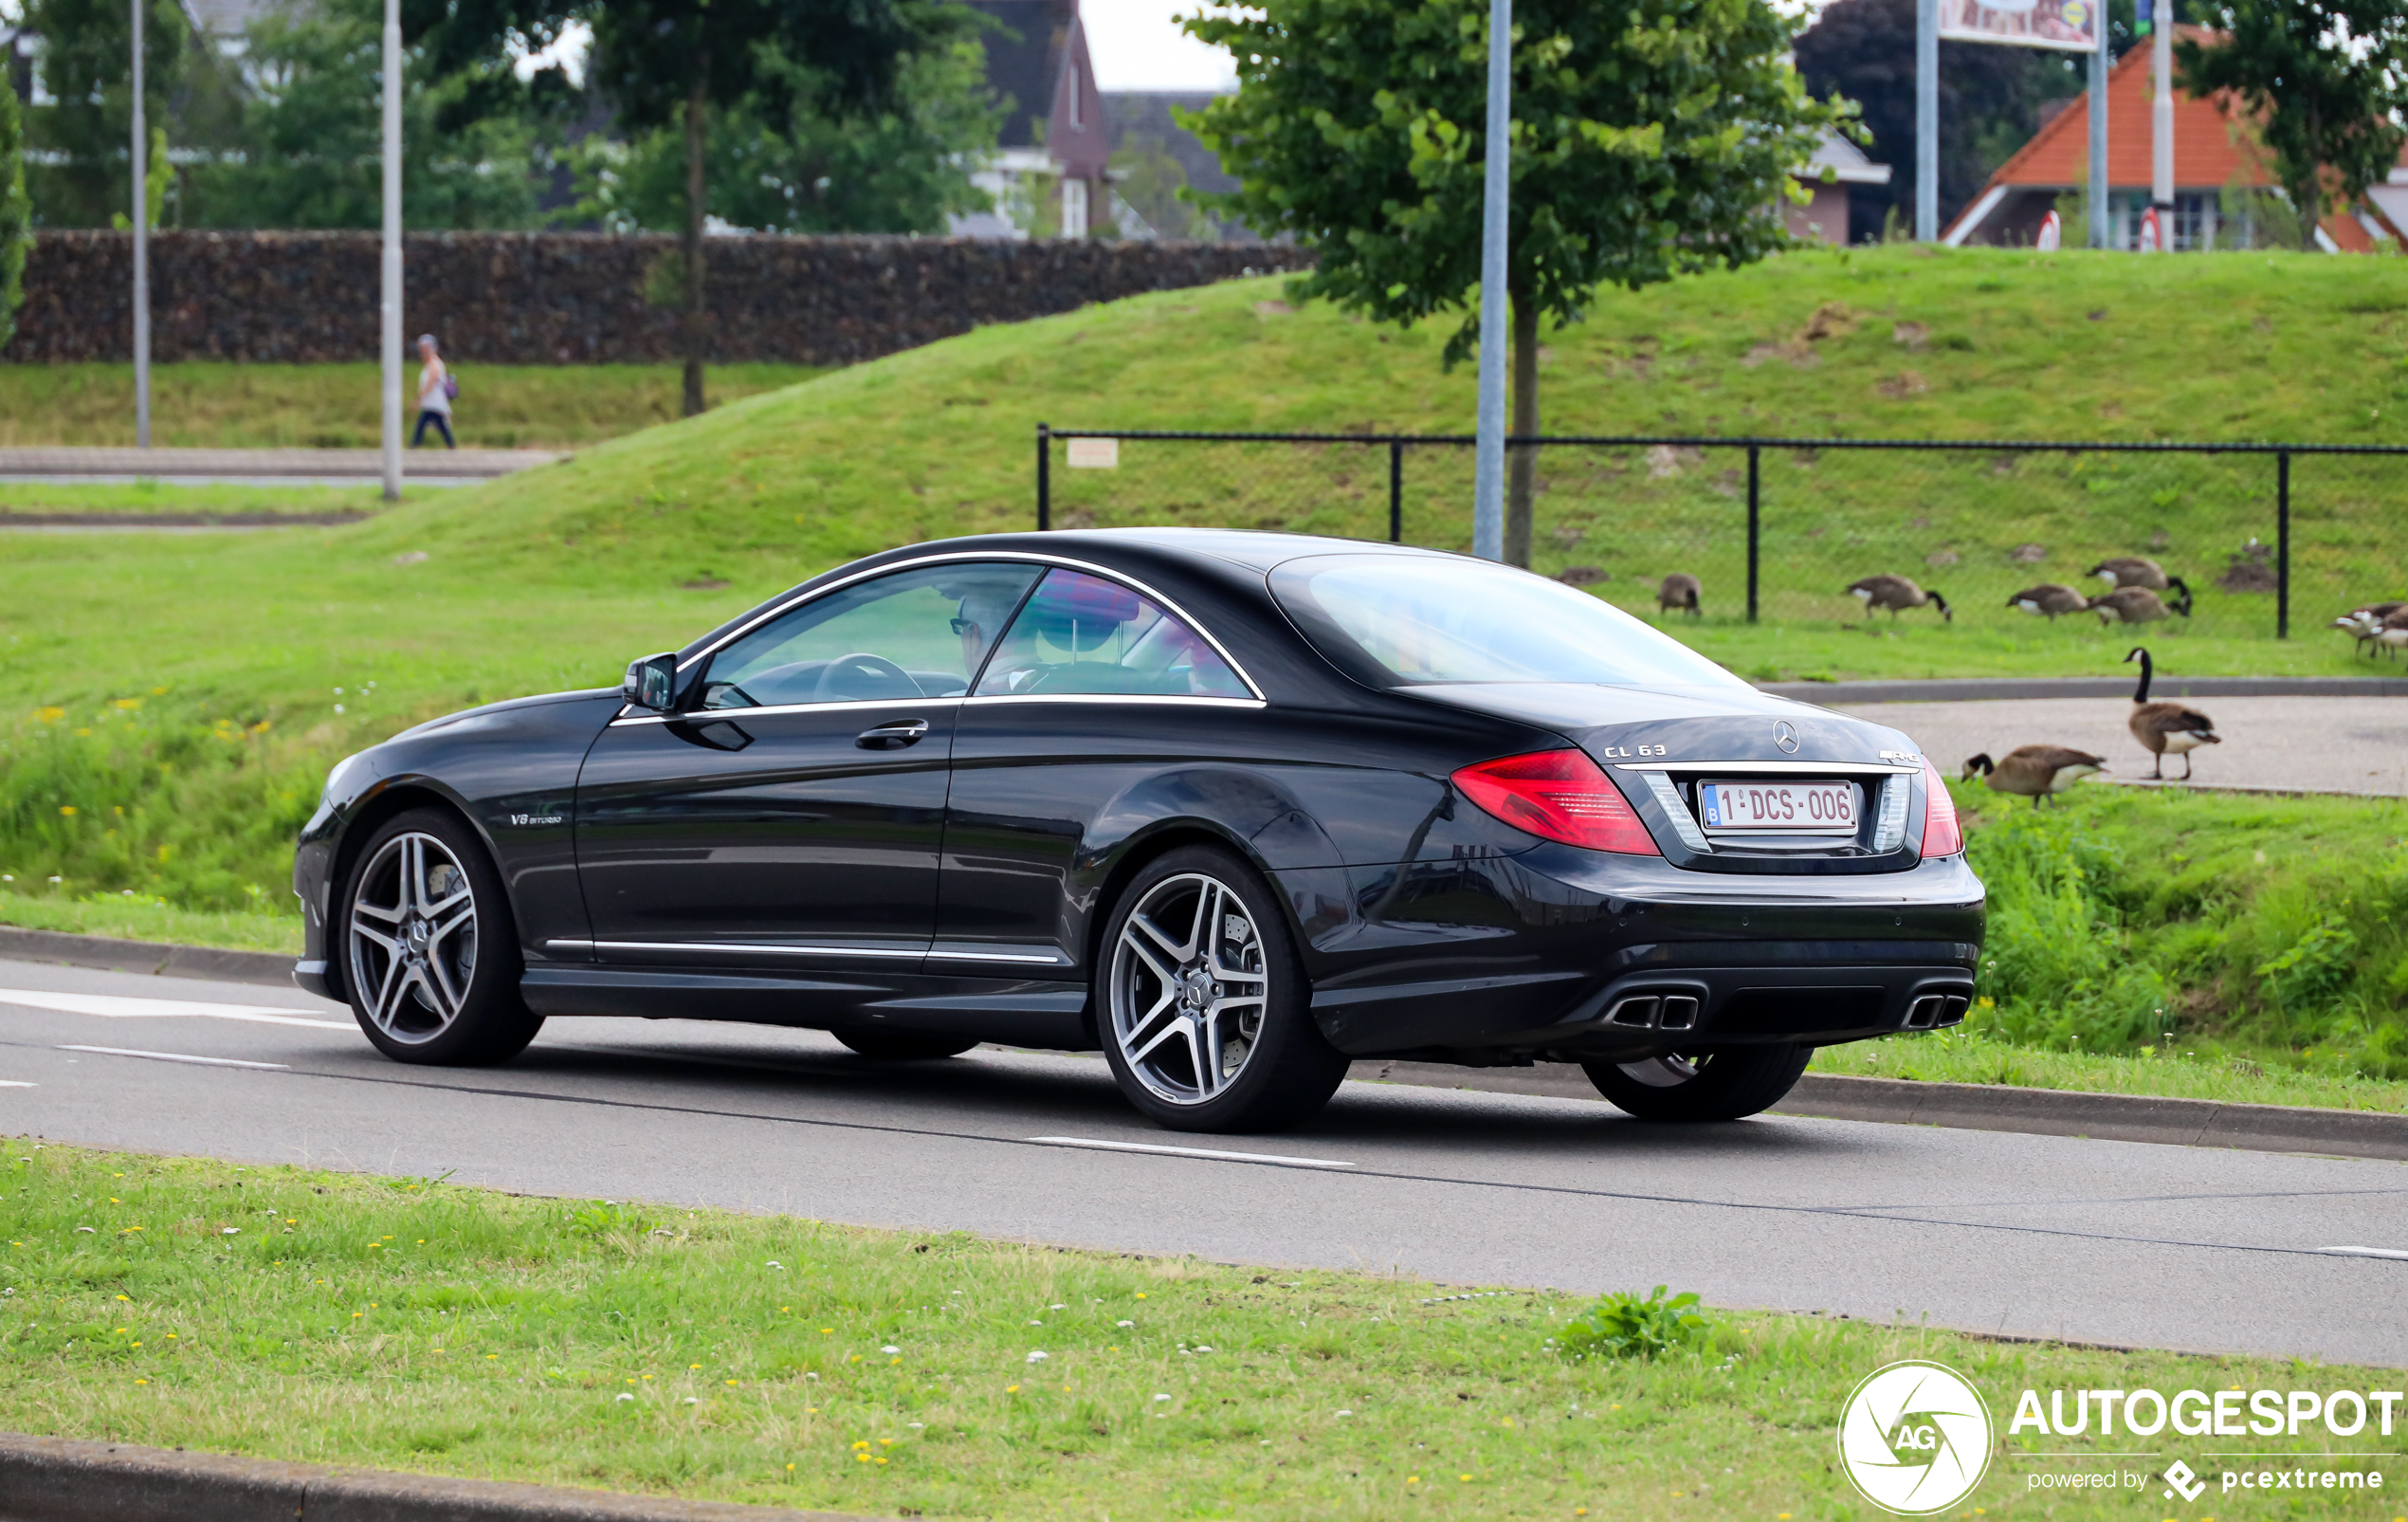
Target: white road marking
point(17, 1083)
point(178, 1056)
point(118, 1006)
point(1191, 1151)
point(2366, 1251)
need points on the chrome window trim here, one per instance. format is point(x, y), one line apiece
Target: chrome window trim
point(1774, 768)
point(1020, 556)
point(1189, 700)
point(771, 710)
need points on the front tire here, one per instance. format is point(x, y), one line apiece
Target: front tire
point(1720, 1083)
point(1203, 1005)
point(905, 1046)
point(430, 952)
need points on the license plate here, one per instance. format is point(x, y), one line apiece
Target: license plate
point(1826, 808)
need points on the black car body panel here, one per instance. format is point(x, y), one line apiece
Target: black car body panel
point(764, 865)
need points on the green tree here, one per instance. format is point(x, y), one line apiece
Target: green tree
point(901, 170)
point(664, 63)
point(1650, 137)
point(86, 63)
point(311, 135)
point(2326, 78)
point(16, 212)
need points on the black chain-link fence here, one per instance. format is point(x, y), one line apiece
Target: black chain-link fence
point(1781, 529)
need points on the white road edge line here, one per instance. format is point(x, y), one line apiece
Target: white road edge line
point(1190, 1151)
point(124, 1006)
point(178, 1056)
point(2399, 1252)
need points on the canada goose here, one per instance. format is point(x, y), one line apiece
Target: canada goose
point(2050, 598)
point(2130, 571)
point(2036, 771)
point(1896, 593)
point(1680, 590)
point(2138, 605)
point(2164, 728)
point(2365, 623)
point(2392, 631)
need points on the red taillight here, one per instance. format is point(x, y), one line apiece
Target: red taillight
point(1562, 796)
point(1941, 836)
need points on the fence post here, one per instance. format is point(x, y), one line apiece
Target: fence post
point(2283, 544)
point(1754, 499)
point(1396, 492)
point(1044, 478)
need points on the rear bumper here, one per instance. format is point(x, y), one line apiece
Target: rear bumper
point(1574, 954)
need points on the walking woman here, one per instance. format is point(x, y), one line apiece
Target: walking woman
point(435, 392)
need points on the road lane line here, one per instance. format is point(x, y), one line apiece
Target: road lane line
point(16, 1083)
point(120, 1006)
point(1190, 1151)
point(178, 1056)
point(2366, 1251)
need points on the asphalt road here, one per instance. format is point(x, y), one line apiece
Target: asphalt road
point(2033, 1235)
point(2315, 745)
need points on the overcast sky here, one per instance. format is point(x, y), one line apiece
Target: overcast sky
point(1137, 46)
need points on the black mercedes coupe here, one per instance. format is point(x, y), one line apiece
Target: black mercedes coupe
point(1235, 808)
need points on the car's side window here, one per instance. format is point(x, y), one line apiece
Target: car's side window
point(914, 634)
point(1080, 633)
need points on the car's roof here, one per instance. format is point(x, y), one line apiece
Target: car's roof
point(1255, 549)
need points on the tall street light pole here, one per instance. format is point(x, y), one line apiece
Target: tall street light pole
point(1488, 482)
point(389, 311)
point(141, 249)
point(1926, 121)
point(2097, 205)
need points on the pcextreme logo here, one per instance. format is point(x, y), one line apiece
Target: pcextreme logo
point(1914, 1437)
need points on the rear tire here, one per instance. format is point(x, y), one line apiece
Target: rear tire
point(1202, 1003)
point(430, 949)
point(1719, 1083)
point(905, 1046)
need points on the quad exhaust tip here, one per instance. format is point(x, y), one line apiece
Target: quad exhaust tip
point(1934, 1012)
point(1654, 1012)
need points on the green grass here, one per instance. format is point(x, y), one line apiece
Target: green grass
point(142, 498)
point(414, 1324)
point(216, 405)
point(125, 916)
point(2205, 1070)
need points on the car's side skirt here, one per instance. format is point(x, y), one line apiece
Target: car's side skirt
point(1019, 1012)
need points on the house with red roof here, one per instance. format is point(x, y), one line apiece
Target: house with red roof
point(2213, 152)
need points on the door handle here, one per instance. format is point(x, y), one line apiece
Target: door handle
point(893, 736)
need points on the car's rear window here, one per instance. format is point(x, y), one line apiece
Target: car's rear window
point(1399, 619)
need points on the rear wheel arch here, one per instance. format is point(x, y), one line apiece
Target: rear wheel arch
point(1143, 852)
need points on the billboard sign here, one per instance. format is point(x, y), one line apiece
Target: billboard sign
point(2071, 26)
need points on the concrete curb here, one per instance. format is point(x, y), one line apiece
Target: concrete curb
point(1999, 1108)
point(60, 1479)
point(267, 969)
point(1978, 689)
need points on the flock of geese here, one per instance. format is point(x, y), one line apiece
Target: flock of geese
point(2379, 624)
point(2134, 582)
point(2043, 771)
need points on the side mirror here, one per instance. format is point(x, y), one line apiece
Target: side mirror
point(652, 683)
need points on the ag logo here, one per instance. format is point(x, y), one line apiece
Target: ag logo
point(1915, 1437)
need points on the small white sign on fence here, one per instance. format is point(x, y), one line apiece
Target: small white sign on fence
point(1095, 454)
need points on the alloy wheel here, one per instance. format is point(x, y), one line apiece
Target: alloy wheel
point(412, 938)
point(1668, 1071)
point(1189, 988)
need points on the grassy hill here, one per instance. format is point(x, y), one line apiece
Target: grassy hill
point(167, 703)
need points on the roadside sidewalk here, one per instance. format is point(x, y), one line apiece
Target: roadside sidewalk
point(329, 467)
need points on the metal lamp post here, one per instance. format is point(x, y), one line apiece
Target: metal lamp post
point(390, 309)
point(1487, 488)
point(141, 249)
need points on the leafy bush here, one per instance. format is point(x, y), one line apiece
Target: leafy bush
point(1634, 1326)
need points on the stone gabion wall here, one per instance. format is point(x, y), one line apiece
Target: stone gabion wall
point(508, 298)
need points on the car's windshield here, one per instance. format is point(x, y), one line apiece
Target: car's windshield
point(1396, 619)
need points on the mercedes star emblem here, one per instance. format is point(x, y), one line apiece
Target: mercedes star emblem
point(1785, 737)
